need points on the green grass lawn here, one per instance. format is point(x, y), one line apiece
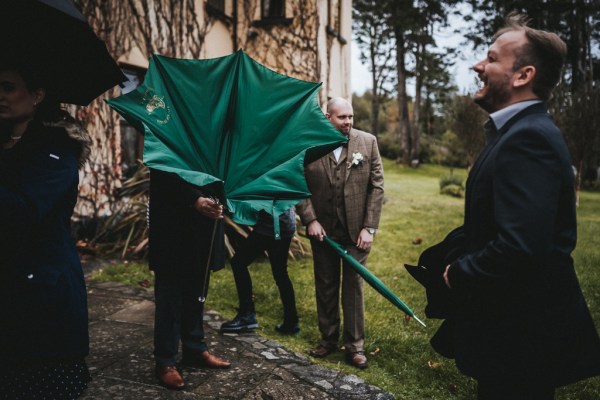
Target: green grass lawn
point(401, 360)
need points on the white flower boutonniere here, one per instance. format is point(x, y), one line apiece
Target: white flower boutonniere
point(357, 159)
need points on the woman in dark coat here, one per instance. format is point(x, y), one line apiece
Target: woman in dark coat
point(43, 317)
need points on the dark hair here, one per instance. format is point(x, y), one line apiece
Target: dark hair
point(544, 50)
point(48, 109)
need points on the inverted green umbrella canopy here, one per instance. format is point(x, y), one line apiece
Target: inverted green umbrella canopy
point(232, 126)
point(371, 279)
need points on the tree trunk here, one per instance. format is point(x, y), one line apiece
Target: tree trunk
point(419, 73)
point(374, 93)
point(403, 119)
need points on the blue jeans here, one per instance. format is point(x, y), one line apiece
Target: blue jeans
point(178, 316)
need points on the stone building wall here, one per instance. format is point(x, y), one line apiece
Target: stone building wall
point(305, 43)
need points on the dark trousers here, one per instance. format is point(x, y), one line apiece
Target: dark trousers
point(178, 316)
point(277, 250)
point(508, 390)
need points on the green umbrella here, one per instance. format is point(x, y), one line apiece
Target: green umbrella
point(371, 279)
point(232, 126)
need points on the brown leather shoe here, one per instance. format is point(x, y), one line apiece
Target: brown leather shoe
point(322, 350)
point(205, 359)
point(169, 377)
point(357, 359)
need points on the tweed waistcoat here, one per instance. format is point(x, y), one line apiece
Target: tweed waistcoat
point(338, 178)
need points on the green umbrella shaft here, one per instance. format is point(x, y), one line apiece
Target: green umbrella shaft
point(371, 279)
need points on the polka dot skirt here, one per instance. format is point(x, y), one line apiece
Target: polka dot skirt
point(63, 381)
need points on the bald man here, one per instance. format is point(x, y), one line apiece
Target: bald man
point(346, 200)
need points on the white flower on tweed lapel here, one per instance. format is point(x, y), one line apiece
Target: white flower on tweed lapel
point(357, 159)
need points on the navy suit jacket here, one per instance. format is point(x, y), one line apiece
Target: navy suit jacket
point(180, 237)
point(519, 312)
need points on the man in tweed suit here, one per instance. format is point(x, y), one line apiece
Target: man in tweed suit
point(347, 194)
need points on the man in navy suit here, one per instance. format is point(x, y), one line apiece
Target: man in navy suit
point(520, 324)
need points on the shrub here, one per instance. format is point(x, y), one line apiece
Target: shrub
point(452, 185)
point(453, 190)
point(389, 145)
point(451, 180)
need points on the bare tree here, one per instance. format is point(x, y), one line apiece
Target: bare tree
point(465, 119)
point(374, 38)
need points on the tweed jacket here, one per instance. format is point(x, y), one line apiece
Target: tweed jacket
point(363, 189)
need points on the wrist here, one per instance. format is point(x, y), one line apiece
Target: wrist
point(372, 231)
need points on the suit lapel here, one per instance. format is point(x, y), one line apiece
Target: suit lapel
point(326, 165)
point(536, 108)
point(491, 141)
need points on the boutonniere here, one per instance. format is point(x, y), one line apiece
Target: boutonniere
point(357, 159)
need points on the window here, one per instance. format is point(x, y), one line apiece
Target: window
point(132, 142)
point(132, 148)
point(273, 9)
point(272, 12)
point(334, 20)
point(217, 5)
point(220, 9)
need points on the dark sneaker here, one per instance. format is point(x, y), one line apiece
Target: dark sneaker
point(242, 322)
point(288, 328)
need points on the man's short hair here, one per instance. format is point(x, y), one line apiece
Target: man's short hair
point(544, 50)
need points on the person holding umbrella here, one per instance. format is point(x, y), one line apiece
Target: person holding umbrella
point(186, 242)
point(44, 325)
point(519, 323)
point(232, 148)
point(346, 200)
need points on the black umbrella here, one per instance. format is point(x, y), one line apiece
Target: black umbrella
point(53, 39)
point(430, 270)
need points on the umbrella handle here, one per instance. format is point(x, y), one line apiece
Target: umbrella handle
point(202, 298)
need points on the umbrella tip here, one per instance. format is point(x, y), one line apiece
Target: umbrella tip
point(419, 321)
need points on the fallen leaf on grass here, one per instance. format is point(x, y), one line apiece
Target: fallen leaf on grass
point(417, 240)
point(434, 364)
point(145, 283)
point(453, 388)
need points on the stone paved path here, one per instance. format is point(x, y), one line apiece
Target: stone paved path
point(121, 319)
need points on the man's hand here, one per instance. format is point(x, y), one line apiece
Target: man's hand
point(209, 208)
point(315, 230)
point(446, 276)
point(365, 240)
